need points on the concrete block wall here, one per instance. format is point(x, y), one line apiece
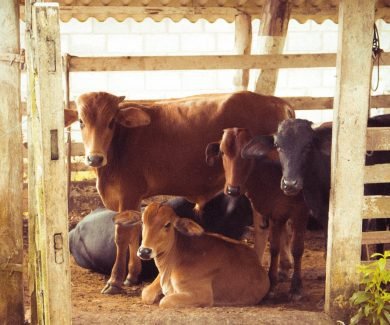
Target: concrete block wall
point(110, 38)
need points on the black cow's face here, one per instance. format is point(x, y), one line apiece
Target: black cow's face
point(294, 142)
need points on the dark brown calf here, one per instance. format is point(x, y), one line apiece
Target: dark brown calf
point(260, 180)
point(196, 269)
point(151, 148)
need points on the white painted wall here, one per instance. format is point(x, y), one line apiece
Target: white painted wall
point(111, 38)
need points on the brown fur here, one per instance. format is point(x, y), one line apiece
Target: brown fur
point(157, 148)
point(260, 180)
point(198, 269)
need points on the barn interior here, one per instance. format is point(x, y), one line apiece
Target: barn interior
point(43, 71)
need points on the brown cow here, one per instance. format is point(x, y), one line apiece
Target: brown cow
point(260, 180)
point(196, 269)
point(153, 148)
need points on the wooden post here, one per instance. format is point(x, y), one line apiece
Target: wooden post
point(32, 265)
point(274, 25)
point(47, 134)
point(11, 175)
point(351, 105)
point(68, 129)
point(243, 45)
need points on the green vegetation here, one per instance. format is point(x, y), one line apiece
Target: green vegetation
point(373, 301)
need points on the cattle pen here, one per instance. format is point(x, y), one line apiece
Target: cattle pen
point(48, 270)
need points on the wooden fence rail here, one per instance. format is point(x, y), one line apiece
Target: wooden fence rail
point(206, 62)
point(299, 103)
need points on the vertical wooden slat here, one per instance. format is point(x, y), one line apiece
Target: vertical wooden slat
point(356, 20)
point(47, 122)
point(32, 213)
point(11, 169)
point(68, 129)
point(273, 31)
point(242, 45)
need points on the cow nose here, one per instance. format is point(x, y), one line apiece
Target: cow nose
point(144, 253)
point(289, 186)
point(233, 190)
point(95, 160)
point(289, 183)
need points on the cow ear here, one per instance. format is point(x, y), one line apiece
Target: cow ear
point(258, 147)
point(121, 99)
point(212, 152)
point(132, 117)
point(70, 116)
point(188, 227)
point(128, 218)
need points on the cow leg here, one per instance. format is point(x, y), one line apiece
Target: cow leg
point(261, 234)
point(298, 242)
point(274, 251)
point(134, 266)
point(118, 272)
point(151, 294)
point(285, 252)
point(199, 296)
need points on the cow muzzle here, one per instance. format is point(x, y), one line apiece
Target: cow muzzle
point(290, 186)
point(95, 160)
point(145, 253)
point(233, 190)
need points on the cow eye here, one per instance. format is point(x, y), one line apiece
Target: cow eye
point(167, 225)
point(111, 124)
point(81, 124)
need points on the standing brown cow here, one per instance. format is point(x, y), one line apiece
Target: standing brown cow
point(154, 148)
point(260, 181)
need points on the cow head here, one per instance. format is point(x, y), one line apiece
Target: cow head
point(295, 141)
point(158, 233)
point(99, 114)
point(236, 168)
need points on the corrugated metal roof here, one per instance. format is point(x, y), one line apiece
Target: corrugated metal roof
point(211, 10)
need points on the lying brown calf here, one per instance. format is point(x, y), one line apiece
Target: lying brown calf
point(196, 268)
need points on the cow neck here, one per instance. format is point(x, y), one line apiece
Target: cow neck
point(318, 169)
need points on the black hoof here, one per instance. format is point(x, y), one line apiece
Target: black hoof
point(111, 289)
point(131, 282)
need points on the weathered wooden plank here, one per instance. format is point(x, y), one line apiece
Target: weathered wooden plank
point(300, 103)
point(272, 36)
point(356, 21)
point(376, 206)
point(242, 45)
point(31, 200)
point(377, 174)
point(209, 62)
point(201, 62)
point(47, 123)
point(378, 139)
point(375, 237)
point(11, 179)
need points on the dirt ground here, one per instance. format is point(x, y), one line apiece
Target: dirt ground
point(92, 307)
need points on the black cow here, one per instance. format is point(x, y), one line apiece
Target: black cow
point(92, 240)
point(304, 153)
point(92, 244)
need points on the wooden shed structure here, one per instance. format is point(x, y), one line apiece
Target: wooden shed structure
point(49, 256)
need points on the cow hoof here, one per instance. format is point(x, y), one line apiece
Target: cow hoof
point(295, 296)
point(271, 294)
point(283, 275)
point(111, 289)
point(131, 282)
